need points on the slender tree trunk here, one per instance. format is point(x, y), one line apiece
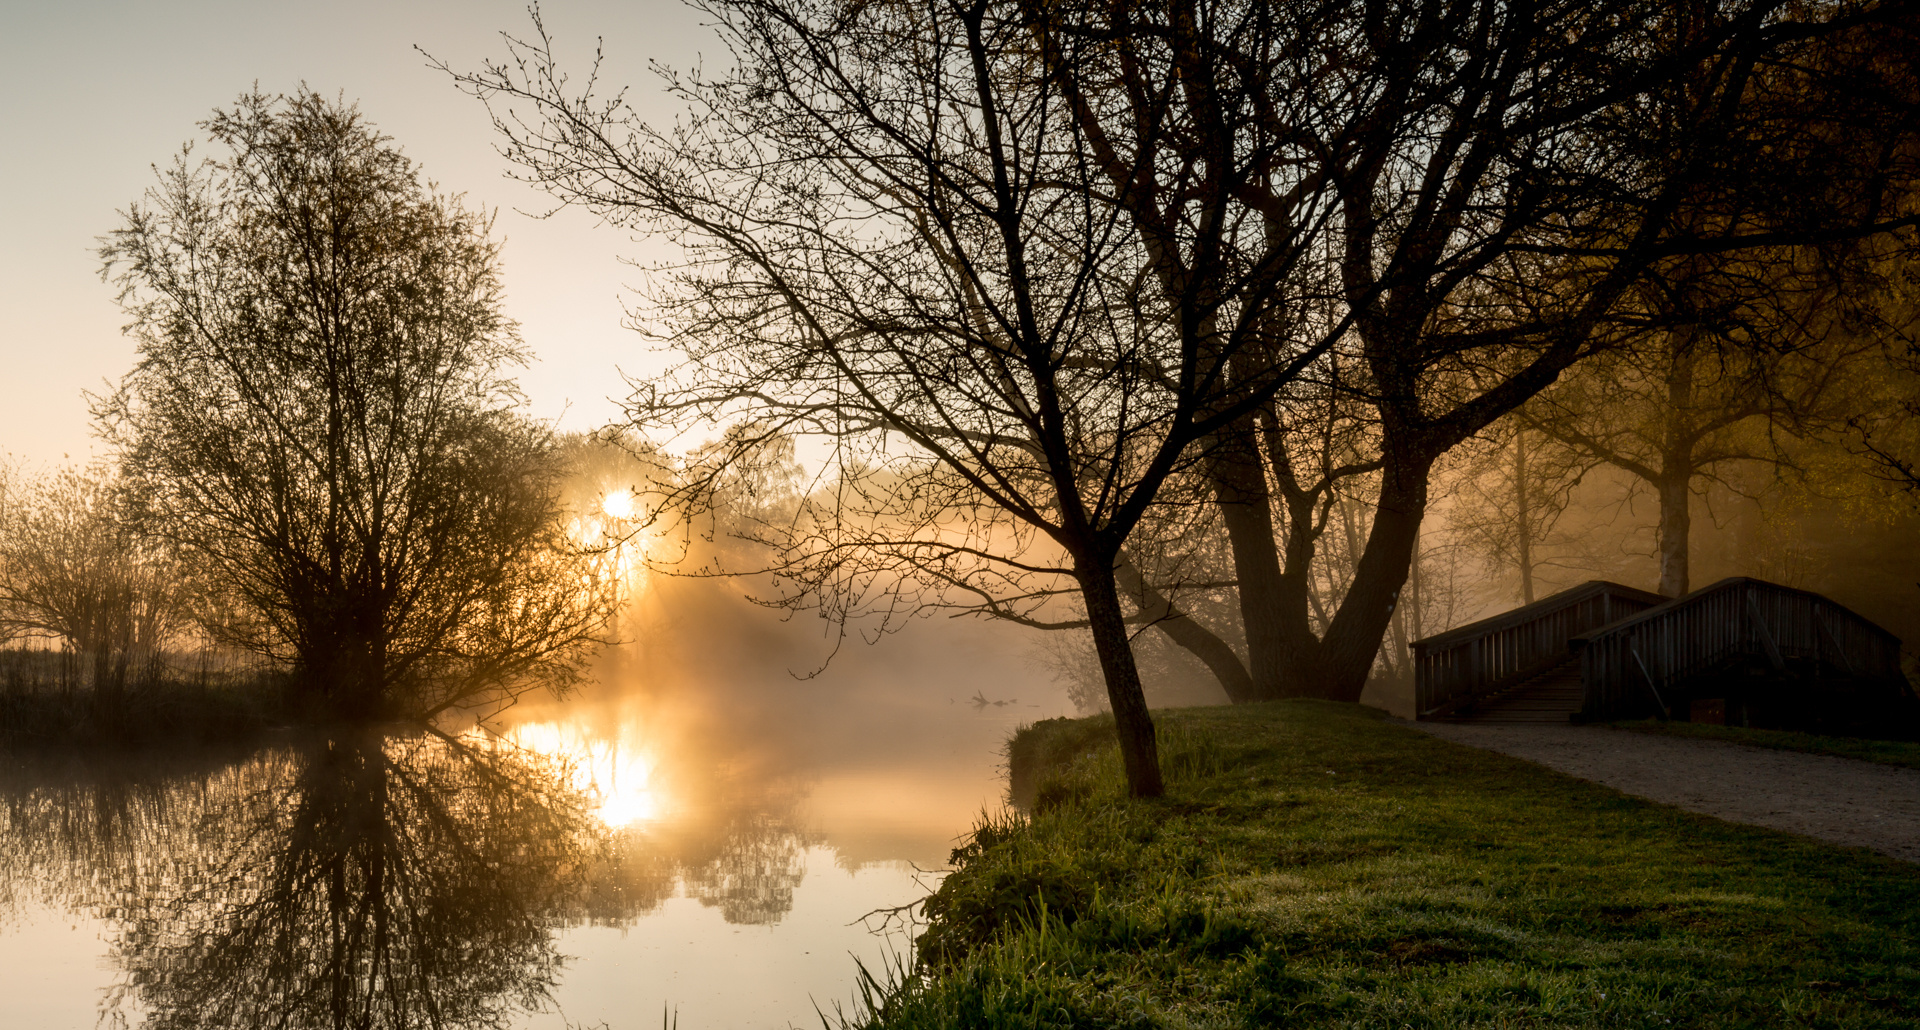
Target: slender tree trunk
point(1676, 469)
point(1415, 593)
point(1523, 525)
point(1398, 658)
point(1139, 751)
point(1240, 485)
point(1676, 524)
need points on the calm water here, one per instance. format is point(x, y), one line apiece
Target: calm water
point(588, 865)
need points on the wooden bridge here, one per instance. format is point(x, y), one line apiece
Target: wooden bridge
point(1742, 651)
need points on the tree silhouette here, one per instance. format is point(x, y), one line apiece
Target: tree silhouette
point(321, 419)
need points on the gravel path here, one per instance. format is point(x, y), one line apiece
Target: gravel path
point(1842, 800)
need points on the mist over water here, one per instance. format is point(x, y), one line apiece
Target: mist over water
point(693, 831)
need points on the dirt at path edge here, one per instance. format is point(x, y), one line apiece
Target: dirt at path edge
point(1841, 800)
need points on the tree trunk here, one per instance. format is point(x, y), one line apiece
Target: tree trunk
point(1139, 751)
point(1523, 524)
point(1240, 486)
point(1353, 640)
point(1335, 667)
point(1676, 468)
point(1676, 524)
point(1199, 641)
point(1300, 650)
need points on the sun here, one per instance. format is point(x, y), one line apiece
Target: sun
point(619, 504)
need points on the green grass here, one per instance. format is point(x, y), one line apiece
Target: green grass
point(1886, 752)
point(1314, 865)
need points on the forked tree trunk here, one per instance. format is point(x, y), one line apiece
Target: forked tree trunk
point(1335, 667)
point(1139, 751)
point(1353, 639)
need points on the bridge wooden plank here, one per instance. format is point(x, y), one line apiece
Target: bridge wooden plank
point(1632, 646)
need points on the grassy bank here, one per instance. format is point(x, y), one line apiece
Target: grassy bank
point(46, 699)
point(1314, 865)
point(1904, 753)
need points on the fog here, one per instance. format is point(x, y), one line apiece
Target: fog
point(886, 739)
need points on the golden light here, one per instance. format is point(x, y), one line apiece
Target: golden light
point(619, 504)
point(616, 774)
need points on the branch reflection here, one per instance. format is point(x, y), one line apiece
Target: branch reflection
point(369, 881)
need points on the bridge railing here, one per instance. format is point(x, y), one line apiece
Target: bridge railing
point(1634, 666)
point(1452, 670)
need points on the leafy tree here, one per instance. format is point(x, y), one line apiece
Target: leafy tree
point(321, 418)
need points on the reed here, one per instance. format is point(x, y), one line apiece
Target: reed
point(55, 697)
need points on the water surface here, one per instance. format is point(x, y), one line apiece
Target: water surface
point(585, 864)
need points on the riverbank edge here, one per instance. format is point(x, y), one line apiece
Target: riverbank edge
point(1317, 865)
point(147, 713)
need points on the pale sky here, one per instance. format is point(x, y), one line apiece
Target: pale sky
point(97, 93)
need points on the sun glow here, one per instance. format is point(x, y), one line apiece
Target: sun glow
point(615, 773)
point(619, 504)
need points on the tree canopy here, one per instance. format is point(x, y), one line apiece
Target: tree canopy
point(322, 418)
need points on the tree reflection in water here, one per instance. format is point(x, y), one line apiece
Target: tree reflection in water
point(367, 881)
point(391, 883)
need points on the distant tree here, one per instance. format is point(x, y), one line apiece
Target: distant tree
point(1725, 375)
point(1726, 354)
point(73, 568)
point(1507, 495)
point(322, 421)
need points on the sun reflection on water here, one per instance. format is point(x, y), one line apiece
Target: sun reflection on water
point(616, 772)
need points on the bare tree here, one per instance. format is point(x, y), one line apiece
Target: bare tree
point(896, 241)
point(1680, 408)
point(1509, 492)
point(1506, 177)
point(322, 421)
point(1886, 430)
point(73, 568)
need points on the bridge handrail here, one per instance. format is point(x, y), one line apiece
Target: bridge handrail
point(1454, 668)
point(1641, 658)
